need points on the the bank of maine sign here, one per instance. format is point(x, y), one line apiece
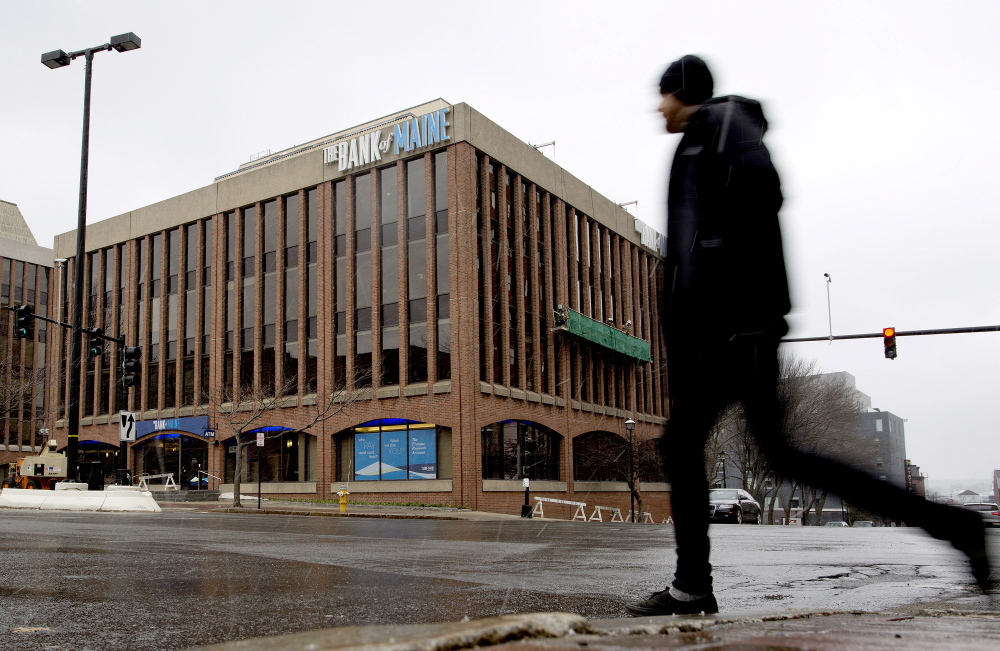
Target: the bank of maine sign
point(407, 135)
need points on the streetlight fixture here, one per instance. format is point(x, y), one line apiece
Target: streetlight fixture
point(722, 457)
point(58, 59)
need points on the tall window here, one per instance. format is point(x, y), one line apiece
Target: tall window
point(170, 367)
point(390, 276)
point(495, 280)
point(514, 368)
point(363, 279)
point(526, 289)
point(441, 264)
point(153, 368)
point(93, 279)
point(312, 256)
point(206, 308)
point(416, 269)
point(249, 297)
point(269, 287)
point(340, 281)
point(291, 344)
point(229, 370)
point(481, 242)
point(191, 294)
point(543, 305)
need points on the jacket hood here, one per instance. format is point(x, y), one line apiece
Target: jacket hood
point(747, 113)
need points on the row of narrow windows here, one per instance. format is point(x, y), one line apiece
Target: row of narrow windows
point(252, 280)
point(536, 253)
point(22, 361)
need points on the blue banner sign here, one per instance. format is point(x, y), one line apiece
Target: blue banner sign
point(192, 424)
point(394, 454)
point(366, 456)
point(423, 454)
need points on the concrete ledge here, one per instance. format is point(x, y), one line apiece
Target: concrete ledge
point(121, 499)
point(517, 486)
point(396, 486)
point(421, 637)
point(282, 487)
point(387, 392)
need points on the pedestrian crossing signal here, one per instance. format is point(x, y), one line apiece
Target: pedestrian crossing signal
point(889, 342)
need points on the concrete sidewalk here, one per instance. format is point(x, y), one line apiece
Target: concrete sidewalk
point(927, 627)
point(279, 507)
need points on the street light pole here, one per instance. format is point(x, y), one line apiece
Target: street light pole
point(58, 59)
point(829, 312)
point(723, 456)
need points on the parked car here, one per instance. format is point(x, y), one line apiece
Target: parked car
point(863, 523)
point(836, 524)
point(989, 512)
point(733, 505)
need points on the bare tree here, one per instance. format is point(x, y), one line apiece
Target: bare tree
point(17, 386)
point(819, 419)
point(631, 458)
point(245, 410)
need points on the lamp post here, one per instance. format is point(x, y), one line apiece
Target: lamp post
point(630, 426)
point(53, 60)
point(722, 457)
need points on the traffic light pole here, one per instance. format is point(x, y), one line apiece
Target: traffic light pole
point(899, 333)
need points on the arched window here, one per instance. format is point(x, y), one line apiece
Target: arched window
point(286, 456)
point(393, 449)
point(515, 449)
point(605, 456)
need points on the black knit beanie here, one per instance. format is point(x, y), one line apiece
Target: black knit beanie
point(688, 79)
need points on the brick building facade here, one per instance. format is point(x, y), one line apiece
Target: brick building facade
point(481, 315)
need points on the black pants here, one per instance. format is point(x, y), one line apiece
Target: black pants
point(706, 375)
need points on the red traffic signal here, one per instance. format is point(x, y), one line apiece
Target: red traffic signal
point(889, 342)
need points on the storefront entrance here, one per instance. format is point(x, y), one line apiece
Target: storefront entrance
point(179, 454)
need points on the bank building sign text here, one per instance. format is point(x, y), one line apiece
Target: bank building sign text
point(408, 135)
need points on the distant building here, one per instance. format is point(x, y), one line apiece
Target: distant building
point(862, 400)
point(25, 274)
point(915, 482)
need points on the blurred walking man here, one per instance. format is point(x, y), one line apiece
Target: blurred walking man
point(725, 303)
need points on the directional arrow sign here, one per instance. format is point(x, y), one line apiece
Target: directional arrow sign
point(126, 430)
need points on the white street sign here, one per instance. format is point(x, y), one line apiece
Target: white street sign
point(260, 439)
point(126, 431)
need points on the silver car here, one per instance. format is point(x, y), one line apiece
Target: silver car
point(989, 512)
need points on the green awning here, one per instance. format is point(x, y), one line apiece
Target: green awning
point(595, 332)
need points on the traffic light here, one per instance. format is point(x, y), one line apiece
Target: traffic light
point(96, 342)
point(889, 342)
point(24, 324)
point(131, 365)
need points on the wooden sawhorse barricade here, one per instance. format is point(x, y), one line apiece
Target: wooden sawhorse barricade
point(578, 513)
point(168, 485)
point(645, 517)
point(616, 514)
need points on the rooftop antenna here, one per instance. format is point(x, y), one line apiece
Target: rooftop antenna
point(547, 144)
point(629, 203)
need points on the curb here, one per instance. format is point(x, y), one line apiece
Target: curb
point(336, 514)
point(420, 637)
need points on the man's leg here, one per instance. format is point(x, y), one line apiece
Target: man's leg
point(766, 416)
point(696, 399)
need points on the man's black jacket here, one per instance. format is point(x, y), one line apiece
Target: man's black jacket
point(725, 265)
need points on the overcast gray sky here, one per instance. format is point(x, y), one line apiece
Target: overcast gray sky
point(880, 115)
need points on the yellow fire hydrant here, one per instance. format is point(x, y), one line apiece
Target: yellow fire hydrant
point(343, 499)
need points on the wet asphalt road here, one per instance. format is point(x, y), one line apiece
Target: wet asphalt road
point(180, 579)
